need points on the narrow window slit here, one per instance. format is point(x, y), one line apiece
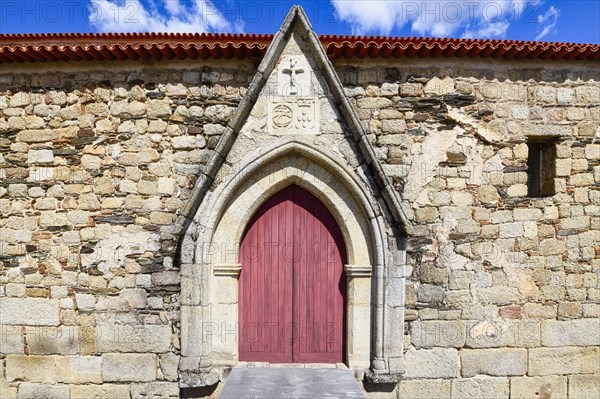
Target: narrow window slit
point(541, 168)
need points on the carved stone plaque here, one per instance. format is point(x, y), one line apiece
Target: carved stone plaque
point(293, 115)
point(294, 76)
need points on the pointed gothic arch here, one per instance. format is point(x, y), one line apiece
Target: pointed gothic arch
point(336, 186)
point(207, 282)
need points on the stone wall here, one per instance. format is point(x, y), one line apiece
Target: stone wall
point(504, 299)
point(95, 168)
point(97, 162)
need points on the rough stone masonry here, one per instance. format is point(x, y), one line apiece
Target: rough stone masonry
point(98, 160)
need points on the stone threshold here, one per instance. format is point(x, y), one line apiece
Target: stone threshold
point(340, 366)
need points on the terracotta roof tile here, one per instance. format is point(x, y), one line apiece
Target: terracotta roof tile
point(123, 46)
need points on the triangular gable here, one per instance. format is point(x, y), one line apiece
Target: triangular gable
point(297, 19)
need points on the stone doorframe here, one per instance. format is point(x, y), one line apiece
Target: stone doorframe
point(209, 308)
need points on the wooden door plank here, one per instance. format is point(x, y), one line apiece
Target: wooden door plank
point(319, 301)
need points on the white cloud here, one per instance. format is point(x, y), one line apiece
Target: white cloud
point(370, 16)
point(493, 29)
point(547, 22)
point(483, 18)
point(174, 7)
point(135, 16)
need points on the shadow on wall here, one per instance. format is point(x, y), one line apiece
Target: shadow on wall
point(369, 387)
point(210, 392)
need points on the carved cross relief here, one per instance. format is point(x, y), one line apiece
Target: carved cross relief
point(292, 71)
point(294, 110)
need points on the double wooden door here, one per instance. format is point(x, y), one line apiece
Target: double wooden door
point(292, 286)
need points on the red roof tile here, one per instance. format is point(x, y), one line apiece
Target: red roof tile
point(156, 46)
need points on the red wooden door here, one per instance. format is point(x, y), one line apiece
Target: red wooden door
point(292, 286)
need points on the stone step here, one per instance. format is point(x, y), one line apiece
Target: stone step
point(290, 382)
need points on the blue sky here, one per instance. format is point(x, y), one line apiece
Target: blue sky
point(547, 20)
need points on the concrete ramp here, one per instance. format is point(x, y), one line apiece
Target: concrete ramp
point(290, 383)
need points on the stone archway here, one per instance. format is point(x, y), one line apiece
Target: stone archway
point(209, 284)
point(349, 180)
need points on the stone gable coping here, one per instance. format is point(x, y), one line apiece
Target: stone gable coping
point(297, 16)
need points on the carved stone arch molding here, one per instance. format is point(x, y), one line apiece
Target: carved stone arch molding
point(361, 199)
point(293, 163)
point(209, 283)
